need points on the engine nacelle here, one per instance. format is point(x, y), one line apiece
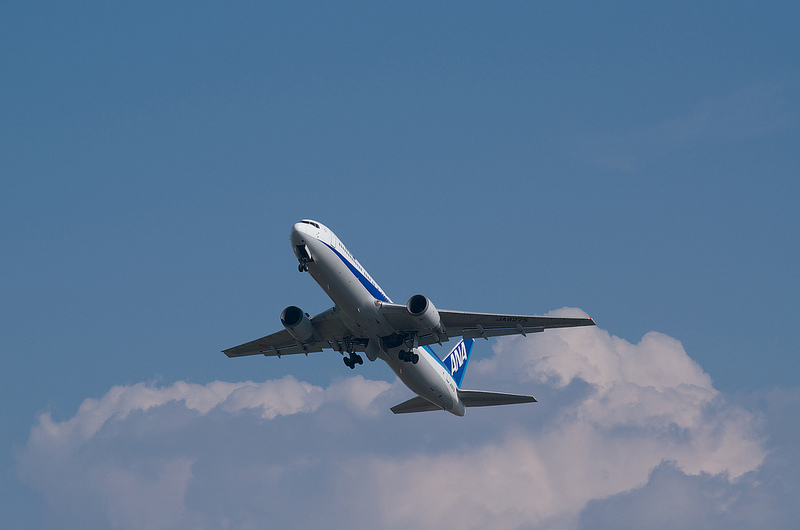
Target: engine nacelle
point(424, 312)
point(297, 323)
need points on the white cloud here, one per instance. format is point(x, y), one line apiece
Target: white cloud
point(651, 390)
point(648, 403)
point(288, 453)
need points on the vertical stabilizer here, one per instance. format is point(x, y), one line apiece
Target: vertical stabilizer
point(456, 360)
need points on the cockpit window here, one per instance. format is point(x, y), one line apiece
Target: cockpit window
point(312, 223)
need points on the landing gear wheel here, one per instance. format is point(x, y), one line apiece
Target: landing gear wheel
point(352, 360)
point(408, 356)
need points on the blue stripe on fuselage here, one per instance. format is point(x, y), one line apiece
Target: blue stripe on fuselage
point(433, 353)
point(373, 289)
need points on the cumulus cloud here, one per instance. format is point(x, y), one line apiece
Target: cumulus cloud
point(621, 424)
point(128, 459)
point(646, 403)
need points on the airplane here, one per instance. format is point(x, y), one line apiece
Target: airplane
point(363, 319)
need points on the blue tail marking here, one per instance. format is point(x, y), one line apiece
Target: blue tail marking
point(456, 360)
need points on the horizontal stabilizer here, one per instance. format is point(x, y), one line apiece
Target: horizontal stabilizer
point(481, 398)
point(416, 404)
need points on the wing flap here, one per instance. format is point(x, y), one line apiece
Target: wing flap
point(484, 333)
point(482, 398)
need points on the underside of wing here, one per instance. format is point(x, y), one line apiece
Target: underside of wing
point(415, 404)
point(475, 325)
point(280, 343)
point(482, 398)
point(329, 332)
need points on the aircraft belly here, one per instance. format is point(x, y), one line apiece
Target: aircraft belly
point(426, 378)
point(347, 292)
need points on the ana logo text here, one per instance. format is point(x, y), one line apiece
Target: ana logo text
point(457, 358)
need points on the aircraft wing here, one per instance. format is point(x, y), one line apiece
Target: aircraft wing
point(280, 343)
point(329, 332)
point(477, 325)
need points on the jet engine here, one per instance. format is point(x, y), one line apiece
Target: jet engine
point(297, 323)
point(424, 312)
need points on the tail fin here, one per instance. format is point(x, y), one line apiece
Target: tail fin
point(456, 360)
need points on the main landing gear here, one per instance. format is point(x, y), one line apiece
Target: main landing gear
point(408, 356)
point(353, 359)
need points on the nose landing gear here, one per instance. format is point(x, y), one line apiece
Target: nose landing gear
point(301, 251)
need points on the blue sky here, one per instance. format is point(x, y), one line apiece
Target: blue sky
point(636, 161)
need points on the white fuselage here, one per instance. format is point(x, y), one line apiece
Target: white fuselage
point(359, 298)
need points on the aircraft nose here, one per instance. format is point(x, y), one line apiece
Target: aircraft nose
point(305, 230)
point(297, 234)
